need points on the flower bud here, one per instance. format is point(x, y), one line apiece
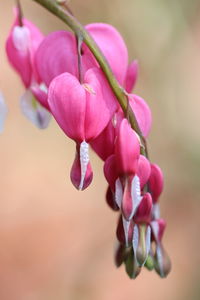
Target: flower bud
point(162, 261)
point(131, 265)
point(141, 243)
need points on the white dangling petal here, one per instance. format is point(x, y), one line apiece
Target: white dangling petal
point(148, 241)
point(156, 211)
point(3, 112)
point(135, 193)
point(21, 38)
point(155, 229)
point(160, 259)
point(84, 160)
point(32, 109)
point(135, 240)
point(126, 226)
point(118, 192)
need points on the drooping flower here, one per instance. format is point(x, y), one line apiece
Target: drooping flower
point(78, 109)
point(21, 45)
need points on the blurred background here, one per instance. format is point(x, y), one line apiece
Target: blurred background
point(57, 243)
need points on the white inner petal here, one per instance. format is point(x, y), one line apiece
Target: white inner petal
point(21, 38)
point(135, 193)
point(160, 259)
point(135, 238)
point(148, 241)
point(84, 160)
point(118, 192)
point(156, 211)
point(3, 111)
point(155, 228)
point(31, 108)
point(126, 225)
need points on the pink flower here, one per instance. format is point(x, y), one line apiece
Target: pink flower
point(82, 111)
point(58, 53)
point(104, 144)
point(21, 46)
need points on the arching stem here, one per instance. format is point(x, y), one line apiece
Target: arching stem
point(79, 30)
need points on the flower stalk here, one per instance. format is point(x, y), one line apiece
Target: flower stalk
point(121, 95)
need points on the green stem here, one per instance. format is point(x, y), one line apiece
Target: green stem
point(79, 30)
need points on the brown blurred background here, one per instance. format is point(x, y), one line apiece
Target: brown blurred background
point(57, 243)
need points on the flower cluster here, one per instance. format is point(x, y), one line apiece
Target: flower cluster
point(67, 82)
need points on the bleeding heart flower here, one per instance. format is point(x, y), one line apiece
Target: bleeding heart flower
point(21, 46)
point(78, 109)
point(58, 53)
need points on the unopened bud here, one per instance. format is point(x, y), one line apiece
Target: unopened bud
point(162, 261)
point(141, 243)
point(149, 264)
point(131, 265)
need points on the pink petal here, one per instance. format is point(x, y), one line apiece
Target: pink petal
point(131, 76)
point(144, 170)
point(104, 144)
point(113, 47)
point(100, 103)
point(67, 102)
point(127, 149)
point(81, 110)
point(143, 214)
point(57, 54)
point(110, 199)
point(142, 113)
point(40, 94)
point(23, 61)
point(110, 171)
point(156, 182)
point(20, 61)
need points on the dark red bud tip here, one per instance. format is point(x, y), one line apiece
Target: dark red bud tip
point(110, 199)
point(120, 254)
point(124, 231)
